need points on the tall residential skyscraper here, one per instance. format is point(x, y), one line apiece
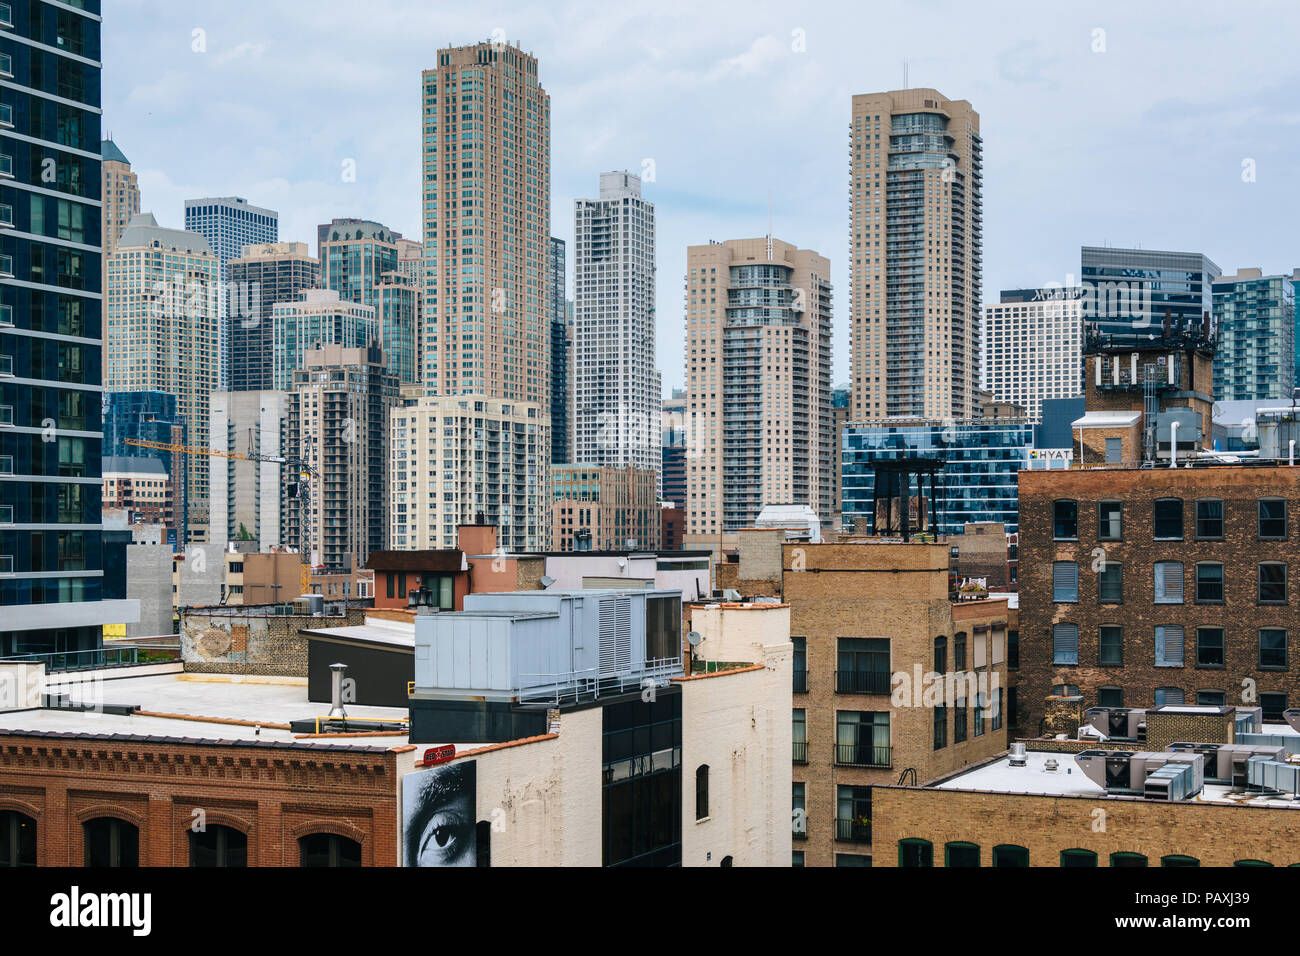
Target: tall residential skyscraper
point(162, 331)
point(561, 358)
point(916, 197)
point(487, 220)
point(247, 495)
point(229, 223)
point(616, 390)
point(758, 383)
point(318, 318)
point(121, 197)
point(1131, 292)
point(265, 275)
point(51, 550)
point(1033, 347)
point(1255, 315)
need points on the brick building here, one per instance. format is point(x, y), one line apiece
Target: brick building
point(1142, 586)
point(871, 622)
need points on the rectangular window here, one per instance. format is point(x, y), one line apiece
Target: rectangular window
point(1209, 647)
point(940, 727)
point(1168, 695)
point(1209, 518)
point(862, 665)
point(1169, 647)
point(1273, 705)
point(1109, 520)
point(1110, 697)
point(1110, 583)
point(391, 584)
point(959, 651)
point(1211, 698)
point(1065, 644)
point(1209, 584)
point(1168, 519)
point(1272, 583)
point(959, 720)
point(862, 738)
point(1065, 582)
point(1272, 518)
point(1013, 650)
point(1169, 582)
point(1110, 645)
point(1065, 520)
point(800, 664)
point(1272, 648)
point(799, 734)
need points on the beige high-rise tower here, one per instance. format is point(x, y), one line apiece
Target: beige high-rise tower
point(758, 384)
point(486, 198)
point(915, 197)
point(120, 194)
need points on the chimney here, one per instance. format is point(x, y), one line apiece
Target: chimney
point(336, 692)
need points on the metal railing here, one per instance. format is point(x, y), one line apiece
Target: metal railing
point(852, 830)
point(100, 658)
point(862, 755)
point(590, 684)
point(862, 682)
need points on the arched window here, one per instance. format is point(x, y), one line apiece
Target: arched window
point(1127, 859)
point(701, 791)
point(17, 839)
point(914, 852)
point(1078, 857)
point(328, 849)
point(483, 843)
point(726, 861)
point(218, 845)
point(1252, 863)
point(959, 853)
point(1008, 854)
point(111, 842)
point(1178, 859)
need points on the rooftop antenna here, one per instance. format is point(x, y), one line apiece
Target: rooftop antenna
point(769, 225)
point(904, 74)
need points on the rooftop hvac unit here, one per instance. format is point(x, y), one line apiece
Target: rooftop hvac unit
point(1119, 723)
point(1018, 757)
point(1226, 763)
point(1289, 743)
point(1274, 775)
point(1124, 771)
point(1173, 781)
point(1250, 720)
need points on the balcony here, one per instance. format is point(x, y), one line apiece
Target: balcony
point(862, 755)
point(852, 830)
point(862, 682)
point(800, 751)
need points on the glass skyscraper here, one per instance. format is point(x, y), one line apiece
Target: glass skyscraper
point(977, 483)
point(51, 534)
point(1255, 316)
point(1129, 292)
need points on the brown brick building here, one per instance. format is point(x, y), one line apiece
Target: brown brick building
point(870, 623)
point(1142, 586)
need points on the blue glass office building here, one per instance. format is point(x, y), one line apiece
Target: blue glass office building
point(51, 536)
point(150, 415)
point(978, 481)
point(1130, 292)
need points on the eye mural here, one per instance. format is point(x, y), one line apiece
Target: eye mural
point(438, 823)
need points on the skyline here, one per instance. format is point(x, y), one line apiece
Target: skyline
point(1078, 144)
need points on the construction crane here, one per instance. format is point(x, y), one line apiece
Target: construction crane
point(301, 483)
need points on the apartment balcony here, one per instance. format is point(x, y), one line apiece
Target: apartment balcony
point(863, 755)
point(852, 830)
point(862, 682)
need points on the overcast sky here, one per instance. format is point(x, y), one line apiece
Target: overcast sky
point(1124, 123)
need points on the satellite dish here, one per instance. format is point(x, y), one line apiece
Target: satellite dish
point(546, 581)
point(694, 638)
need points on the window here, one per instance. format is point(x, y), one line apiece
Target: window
point(959, 651)
point(1169, 646)
point(1209, 518)
point(940, 727)
point(1013, 650)
point(1272, 583)
point(482, 844)
point(796, 858)
point(1272, 648)
point(1211, 698)
point(1168, 519)
point(914, 852)
point(1251, 863)
point(1169, 582)
point(663, 623)
point(1209, 647)
point(959, 720)
point(1078, 858)
point(1110, 697)
point(1109, 520)
point(862, 738)
point(1110, 583)
point(1127, 859)
point(941, 655)
point(1008, 854)
point(798, 811)
point(1065, 644)
point(111, 842)
point(852, 859)
point(1209, 584)
point(17, 839)
point(1169, 695)
point(1065, 582)
point(1065, 520)
point(218, 846)
point(862, 665)
point(961, 854)
point(328, 849)
point(1177, 859)
point(701, 791)
point(1274, 706)
point(1110, 645)
point(800, 664)
point(1272, 518)
point(997, 710)
point(799, 728)
point(853, 814)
